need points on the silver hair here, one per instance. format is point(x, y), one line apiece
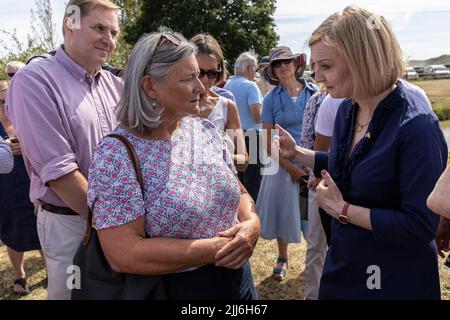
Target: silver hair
point(136, 109)
point(245, 60)
point(16, 65)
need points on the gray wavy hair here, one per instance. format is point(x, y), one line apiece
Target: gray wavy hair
point(136, 109)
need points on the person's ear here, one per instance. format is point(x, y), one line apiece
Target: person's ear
point(149, 86)
point(68, 27)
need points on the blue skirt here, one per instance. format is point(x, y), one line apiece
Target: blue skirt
point(18, 228)
point(278, 207)
point(211, 283)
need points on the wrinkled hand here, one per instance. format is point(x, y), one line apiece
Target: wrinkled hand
point(328, 196)
point(443, 236)
point(285, 143)
point(15, 147)
point(237, 252)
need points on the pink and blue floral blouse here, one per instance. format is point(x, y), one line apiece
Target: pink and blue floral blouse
point(191, 191)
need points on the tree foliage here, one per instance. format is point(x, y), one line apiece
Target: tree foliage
point(238, 25)
point(44, 37)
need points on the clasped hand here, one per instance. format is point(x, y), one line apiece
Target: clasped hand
point(237, 252)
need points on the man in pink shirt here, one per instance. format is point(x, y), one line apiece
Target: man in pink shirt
point(61, 108)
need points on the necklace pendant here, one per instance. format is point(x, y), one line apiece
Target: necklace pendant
point(202, 108)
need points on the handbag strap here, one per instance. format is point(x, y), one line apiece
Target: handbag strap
point(137, 168)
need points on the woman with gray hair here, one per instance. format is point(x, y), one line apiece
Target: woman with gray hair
point(195, 223)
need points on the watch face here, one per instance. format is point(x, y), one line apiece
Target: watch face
point(343, 219)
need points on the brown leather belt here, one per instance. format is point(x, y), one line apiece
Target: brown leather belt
point(59, 210)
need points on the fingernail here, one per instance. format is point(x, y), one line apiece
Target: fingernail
point(323, 172)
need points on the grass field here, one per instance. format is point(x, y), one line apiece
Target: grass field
point(438, 91)
point(262, 262)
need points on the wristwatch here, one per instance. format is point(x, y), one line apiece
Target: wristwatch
point(343, 217)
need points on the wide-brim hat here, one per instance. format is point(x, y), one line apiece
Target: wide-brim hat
point(283, 53)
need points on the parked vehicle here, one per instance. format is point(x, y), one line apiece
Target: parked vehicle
point(411, 74)
point(436, 71)
point(420, 71)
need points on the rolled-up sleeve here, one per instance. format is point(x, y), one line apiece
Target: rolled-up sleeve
point(422, 159)
point(35, 112)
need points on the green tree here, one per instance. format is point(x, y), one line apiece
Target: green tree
point(42, 39)
point(238, 25)
point(44, 33)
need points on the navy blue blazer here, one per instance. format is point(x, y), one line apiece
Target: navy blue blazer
point(392, 171)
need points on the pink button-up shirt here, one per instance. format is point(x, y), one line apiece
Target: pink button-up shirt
point(60, 113)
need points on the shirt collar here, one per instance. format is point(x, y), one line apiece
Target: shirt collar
point(307, 86)
point(75, 69)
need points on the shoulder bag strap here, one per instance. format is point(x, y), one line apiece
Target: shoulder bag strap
point(137, 168)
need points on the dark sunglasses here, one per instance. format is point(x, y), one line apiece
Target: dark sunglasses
point(277, 63)
point(11, 74)
point(212, 74)
point(2, 102)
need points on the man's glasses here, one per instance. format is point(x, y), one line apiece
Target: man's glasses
point(277, 63)
point(11, 74)
point(212, 74)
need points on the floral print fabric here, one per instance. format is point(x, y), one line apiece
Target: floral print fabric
point(191, 191)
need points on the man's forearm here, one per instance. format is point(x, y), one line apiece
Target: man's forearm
point(72, 189)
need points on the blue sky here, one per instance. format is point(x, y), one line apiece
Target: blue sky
point(422, 26)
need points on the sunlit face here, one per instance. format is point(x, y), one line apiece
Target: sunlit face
point(93, 43)
point(284, 70)
point(179, 91)
point(331, 70)
point(208, 63)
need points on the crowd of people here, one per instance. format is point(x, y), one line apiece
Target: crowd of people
point(348, 162)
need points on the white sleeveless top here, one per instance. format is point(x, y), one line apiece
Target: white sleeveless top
point(219, 117)
point(219, 114)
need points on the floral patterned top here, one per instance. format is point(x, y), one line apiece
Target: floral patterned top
point(191, 191)
point(310, 119)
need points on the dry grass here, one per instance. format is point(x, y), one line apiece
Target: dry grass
point(437, 90)
point(262, 261)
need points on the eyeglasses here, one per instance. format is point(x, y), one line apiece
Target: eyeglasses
point(10, 74)
point(212, 74)
point(277, 63)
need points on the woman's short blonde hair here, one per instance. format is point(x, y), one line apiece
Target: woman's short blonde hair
point(369, 47)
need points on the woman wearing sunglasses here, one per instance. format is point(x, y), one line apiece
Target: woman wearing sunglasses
point(279, 196)
point(195, 223)
point(222, 112)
